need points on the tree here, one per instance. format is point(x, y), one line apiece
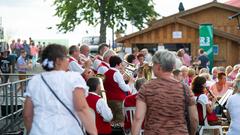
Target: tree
point(107, 13)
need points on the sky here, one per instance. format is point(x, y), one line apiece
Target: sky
point(31, 18)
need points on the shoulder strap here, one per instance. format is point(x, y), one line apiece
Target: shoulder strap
point(186, 111)
point(197, 98)
point(63, 104)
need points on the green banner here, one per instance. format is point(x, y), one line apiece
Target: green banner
point(206, 41)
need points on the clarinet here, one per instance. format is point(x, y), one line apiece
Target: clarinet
point(213, 97)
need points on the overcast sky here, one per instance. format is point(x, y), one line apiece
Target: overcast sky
point(30, 18)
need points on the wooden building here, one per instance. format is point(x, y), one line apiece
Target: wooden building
point(181, 30)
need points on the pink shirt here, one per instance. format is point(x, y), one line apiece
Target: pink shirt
point(218, 93)
point(187, 59)
point(34, 50)
point(233, 75)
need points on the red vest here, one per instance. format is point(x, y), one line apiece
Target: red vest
point(113, 91)
point(103, 64)
point(71, 59)
point(210, 116)
point(102, 127)
point(130, 101)
point(98, 57)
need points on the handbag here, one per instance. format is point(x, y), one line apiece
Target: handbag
point(79, 124)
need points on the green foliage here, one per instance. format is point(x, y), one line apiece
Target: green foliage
point(108, 13)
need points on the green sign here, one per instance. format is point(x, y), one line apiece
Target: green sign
point(206, 41)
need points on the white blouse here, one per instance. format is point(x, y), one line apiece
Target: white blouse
point(233, 106)
point(50, 116)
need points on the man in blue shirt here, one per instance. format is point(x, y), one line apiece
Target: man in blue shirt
point(22, 67)
point(203, 60)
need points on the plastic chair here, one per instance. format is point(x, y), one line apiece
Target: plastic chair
point(206, 125)
point(129, 113)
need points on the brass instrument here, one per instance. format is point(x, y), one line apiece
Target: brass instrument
point(130, 69)
point(146, 70)
point(129, 64)
point(103, 92)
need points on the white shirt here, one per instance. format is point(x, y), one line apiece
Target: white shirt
point(118, 78)
point(178, 63)
point(103, 109)
point(74, 66)
point(203, 98)
point(233, 106)
point(103, 69)
point(148, 58)
point(96, 64)
point(50, 116)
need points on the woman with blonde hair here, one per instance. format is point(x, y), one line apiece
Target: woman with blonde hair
point(191, 75)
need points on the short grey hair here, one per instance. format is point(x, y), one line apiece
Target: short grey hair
point(166, 59)
point(214, 68)
point(83, 47)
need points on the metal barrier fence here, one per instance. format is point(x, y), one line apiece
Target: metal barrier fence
point(11, 104)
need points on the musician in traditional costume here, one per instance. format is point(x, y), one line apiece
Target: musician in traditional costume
point(116, 88)
point(104, 66)
point(84, 51)
point(99, 57)
point(74, 63)
point(102, 112)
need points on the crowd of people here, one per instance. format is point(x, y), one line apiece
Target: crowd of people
point(78, 85)
point(19, 57)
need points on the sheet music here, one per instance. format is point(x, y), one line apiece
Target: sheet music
point(225, 97)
